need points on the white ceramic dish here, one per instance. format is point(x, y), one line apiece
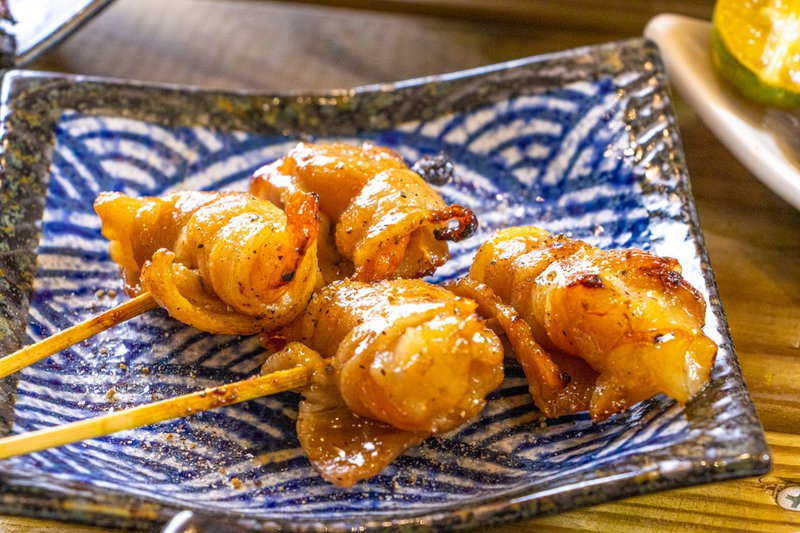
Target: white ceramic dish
point(740, 125)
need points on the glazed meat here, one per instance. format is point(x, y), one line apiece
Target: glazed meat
point(404, 359)
point(223, 262)
point(620, 325)
point(342, 446)
point(380, 219)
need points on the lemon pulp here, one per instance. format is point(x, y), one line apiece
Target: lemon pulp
point(755, 45)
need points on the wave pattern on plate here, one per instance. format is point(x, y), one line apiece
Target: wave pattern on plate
point(560, 160)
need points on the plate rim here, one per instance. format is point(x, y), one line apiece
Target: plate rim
point(730, 117)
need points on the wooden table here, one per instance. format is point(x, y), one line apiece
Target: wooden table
point(753, 236)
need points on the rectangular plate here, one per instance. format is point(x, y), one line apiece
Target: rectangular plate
point(582, 142)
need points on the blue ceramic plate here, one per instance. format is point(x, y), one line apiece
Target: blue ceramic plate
point(582, 142)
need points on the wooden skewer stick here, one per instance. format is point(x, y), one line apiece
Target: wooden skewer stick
point(153, 413)
point(77, 333)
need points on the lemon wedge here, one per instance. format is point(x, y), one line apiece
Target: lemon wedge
point(755, 45)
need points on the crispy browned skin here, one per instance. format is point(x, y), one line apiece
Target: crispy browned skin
point(622, 324)
point(224, 262)
point(407, 359)
point(380, 219)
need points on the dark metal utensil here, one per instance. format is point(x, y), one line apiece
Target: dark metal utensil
point(35, 25)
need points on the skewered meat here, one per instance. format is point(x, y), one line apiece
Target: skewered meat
point(404, 360)
point(224, 262)
point(380, 219)
point(623, 325)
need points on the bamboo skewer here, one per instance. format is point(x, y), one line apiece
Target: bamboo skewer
point(153, 413)
point(75, 334)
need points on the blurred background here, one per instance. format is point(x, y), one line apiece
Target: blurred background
point(268, 45)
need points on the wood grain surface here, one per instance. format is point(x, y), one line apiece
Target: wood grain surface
point(753, 236)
